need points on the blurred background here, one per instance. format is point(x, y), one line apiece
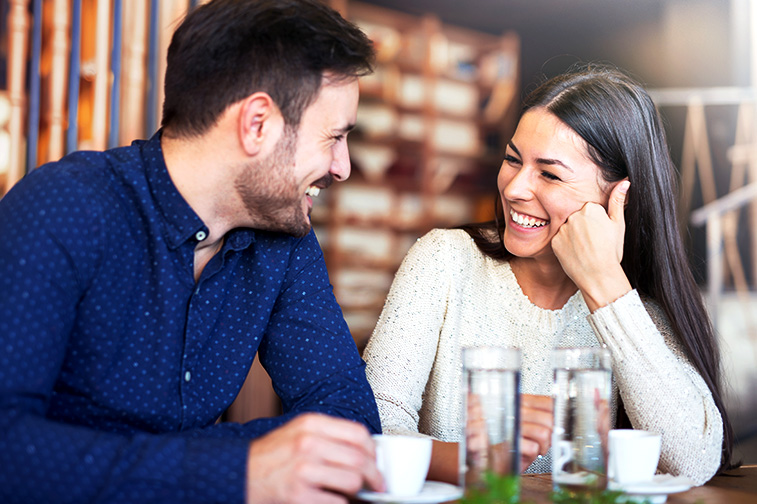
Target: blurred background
point(433, 119)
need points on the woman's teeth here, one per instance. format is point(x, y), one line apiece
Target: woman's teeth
point(528, 222)
point(313, 191)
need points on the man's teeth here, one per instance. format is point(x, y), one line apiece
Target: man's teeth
point(526, 221)
point(313, 191)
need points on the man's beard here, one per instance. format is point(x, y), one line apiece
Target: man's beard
point(270, 192)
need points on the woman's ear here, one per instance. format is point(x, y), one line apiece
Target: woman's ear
point(260, 122)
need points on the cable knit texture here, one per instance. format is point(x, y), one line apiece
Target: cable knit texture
point(448, 295)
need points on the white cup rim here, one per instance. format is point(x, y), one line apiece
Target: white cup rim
point(629, 433)
point(400, 436)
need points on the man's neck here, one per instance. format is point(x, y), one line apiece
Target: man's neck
point(199, 168)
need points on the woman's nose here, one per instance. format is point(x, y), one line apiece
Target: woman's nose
point(519, 185)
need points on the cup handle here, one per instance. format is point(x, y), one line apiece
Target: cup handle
point(562, 454)
point(611, 461)
point(379, 458)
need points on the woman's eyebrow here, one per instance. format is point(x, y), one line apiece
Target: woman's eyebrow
point(513, 147)
point(546, 161)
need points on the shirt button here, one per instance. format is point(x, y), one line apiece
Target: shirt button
point(201, 235)
point(187, 376)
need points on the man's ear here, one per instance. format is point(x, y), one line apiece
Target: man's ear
point(260, 122)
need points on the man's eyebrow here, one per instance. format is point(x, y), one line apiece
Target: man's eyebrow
point(346, 129)
point(545, 161)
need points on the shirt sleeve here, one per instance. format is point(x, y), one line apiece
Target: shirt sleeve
point(401, 351)
point(50, 248)
point(308, 350)
point(661, 390)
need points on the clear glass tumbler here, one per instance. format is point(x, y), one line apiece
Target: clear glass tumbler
point(491, 390)
point(582, 387)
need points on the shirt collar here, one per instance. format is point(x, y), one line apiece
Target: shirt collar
point(182, 223)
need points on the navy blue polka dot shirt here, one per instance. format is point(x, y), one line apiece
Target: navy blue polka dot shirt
point(115, 364)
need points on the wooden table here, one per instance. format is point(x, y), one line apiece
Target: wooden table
point(736, 487)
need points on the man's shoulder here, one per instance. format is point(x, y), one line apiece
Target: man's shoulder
point(300, 247)
point(83, 171)
point(83, 185)
point(99, 166)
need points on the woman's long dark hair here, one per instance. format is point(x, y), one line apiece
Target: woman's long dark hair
point(620, 124)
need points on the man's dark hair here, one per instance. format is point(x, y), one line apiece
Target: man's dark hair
point(226, 50)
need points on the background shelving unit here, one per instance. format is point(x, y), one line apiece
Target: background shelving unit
point(425, 152)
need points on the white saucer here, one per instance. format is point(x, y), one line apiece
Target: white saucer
point(655, 491)
point(432, 492)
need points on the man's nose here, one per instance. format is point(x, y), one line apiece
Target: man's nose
point(340, 166)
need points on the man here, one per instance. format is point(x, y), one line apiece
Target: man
point(137, 284)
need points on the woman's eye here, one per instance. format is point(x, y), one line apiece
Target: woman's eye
point(512, 160)
point(549, 175)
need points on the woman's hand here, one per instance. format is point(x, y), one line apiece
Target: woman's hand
point(535, 431)
point(535, 427)
point(589, 247)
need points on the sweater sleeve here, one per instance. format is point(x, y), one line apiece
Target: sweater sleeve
point(400, 354)
point(661, 390)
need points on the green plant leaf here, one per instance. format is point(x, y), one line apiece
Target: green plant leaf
point(497, 489)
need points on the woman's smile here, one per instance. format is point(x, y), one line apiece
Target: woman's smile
point(526, 221)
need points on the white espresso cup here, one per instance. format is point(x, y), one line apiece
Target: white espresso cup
point(403, 462)
point(634, 455)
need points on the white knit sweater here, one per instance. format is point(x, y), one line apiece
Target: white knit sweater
point(447, 295)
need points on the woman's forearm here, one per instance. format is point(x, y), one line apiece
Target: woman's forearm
point(444, 462)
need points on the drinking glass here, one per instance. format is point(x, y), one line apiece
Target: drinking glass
point(582, 384)
point(491, 392)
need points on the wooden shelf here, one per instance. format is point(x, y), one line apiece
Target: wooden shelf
point(425, 150)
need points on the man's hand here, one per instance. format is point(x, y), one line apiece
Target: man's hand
point(314, 459)
point(535, 427)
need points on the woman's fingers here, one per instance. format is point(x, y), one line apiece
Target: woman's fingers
point(538, 434)
point(529, 450)
point(536, 426)
point(537, 402)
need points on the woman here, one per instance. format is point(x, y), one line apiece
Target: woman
point(584, 251)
